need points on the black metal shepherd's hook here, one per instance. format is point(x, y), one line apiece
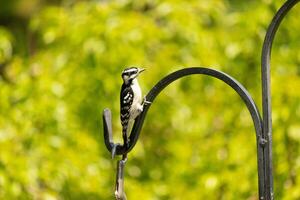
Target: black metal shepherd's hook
point(263, 126)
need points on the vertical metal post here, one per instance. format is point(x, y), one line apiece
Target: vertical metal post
point(266, 93)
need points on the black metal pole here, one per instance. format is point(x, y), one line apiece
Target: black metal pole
point(266, 92)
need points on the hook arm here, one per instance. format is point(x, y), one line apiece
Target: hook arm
point(108, 135)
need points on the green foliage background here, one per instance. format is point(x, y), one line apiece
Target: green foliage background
point(60, 65)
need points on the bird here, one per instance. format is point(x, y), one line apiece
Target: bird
point(131, 101)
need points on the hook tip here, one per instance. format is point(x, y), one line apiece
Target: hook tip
point(113, 150)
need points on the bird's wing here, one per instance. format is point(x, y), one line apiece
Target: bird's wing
point(126, 99)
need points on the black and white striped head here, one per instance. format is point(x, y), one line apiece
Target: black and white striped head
point(130, 74)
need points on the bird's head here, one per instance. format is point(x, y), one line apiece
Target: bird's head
point(131, 73)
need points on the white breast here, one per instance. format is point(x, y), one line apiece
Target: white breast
point(137, 99)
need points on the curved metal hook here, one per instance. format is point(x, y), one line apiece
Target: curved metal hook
point(135, 132)
point(108, 138)
point(266, 90)
point(185, 72)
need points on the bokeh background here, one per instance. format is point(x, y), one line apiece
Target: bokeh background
point(60, 65)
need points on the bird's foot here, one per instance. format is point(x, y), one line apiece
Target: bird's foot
point(145, 102)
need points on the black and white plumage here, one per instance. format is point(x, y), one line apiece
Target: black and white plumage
point(131, 100)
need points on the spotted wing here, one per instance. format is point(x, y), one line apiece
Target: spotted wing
point(126, 99)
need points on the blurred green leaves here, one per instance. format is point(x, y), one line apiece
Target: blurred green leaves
point(5, 45)
point(61, 65)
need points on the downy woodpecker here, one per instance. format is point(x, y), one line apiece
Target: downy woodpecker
point(131, 100)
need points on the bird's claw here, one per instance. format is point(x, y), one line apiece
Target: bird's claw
point(145, 102)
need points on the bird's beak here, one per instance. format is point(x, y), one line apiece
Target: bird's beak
point(141, 70)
